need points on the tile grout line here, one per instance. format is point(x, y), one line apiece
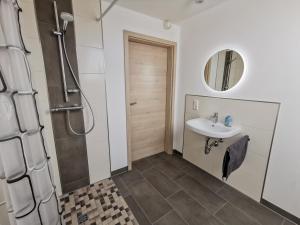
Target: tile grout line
point(221, 189)
point(146, 180)
point(173, 179)
point(174, 193)
point(245, 213)
point(200, 203)
point(236, 207)
point(162, 216)
point(223, 184)
point(178, 213)
point(144, 171)
point(130, 195)
point(221, 221)
point(263, 206)
point(214, 214)
point(143, 211)
point(217, 192)
point(161, 196)
point(197, 200)
point(218, 210)
point(282, 217)
point(151, 167)
point(168, 199)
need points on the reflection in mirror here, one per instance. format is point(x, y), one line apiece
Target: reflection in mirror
point(224, 70)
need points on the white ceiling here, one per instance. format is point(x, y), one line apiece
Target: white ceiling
point(173, 10)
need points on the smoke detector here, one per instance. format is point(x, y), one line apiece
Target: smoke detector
point(167, 24)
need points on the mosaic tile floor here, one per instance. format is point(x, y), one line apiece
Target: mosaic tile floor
point(97, 204)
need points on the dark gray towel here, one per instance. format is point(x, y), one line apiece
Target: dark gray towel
point(234, 156)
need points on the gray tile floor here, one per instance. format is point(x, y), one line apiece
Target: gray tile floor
point(167, 190)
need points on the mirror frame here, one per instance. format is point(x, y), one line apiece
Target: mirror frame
point(242, 55)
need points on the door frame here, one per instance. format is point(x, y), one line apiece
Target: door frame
point(170, 87)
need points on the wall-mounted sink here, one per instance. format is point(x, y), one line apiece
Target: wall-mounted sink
point(214, 130)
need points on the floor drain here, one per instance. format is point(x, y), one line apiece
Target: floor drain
point(82, 218)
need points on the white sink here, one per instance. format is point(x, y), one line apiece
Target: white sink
point(214, 130)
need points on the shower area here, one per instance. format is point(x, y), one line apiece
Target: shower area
point(70, 149)
point(65, 74)
point(68, 102)
point(64, 56)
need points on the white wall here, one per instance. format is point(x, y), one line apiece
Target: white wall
point(89, 48)
point(115, 22)
point(267, 35)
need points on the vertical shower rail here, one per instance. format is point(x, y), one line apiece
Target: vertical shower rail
point(24, 161)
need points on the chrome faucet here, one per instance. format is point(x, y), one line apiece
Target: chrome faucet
point(215, 117)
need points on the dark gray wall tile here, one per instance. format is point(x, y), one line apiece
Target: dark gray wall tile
point(161, 182)
point(51, 55)
point(55, 96)
point(76, 185)
point(72, 160)
point(230, 215)
point(150, 200)
point(71, 50)
point(45, 9)
point(71, 149)
point(191, 211)
point(171, 218)
point(61, 127)
point(202, 194)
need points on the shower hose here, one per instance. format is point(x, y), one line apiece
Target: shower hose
point(81, 92)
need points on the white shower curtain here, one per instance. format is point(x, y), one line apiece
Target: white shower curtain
point(24, 162)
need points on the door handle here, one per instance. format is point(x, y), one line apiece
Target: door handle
point(133, 103)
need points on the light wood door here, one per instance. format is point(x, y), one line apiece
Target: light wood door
point(147, 98)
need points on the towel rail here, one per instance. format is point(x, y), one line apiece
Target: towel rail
point(213, 142)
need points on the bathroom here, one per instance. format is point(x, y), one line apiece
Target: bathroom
point(136, 112)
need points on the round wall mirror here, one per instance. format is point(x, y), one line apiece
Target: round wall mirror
point(224, 70)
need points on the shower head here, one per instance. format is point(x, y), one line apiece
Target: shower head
point(66, 17)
